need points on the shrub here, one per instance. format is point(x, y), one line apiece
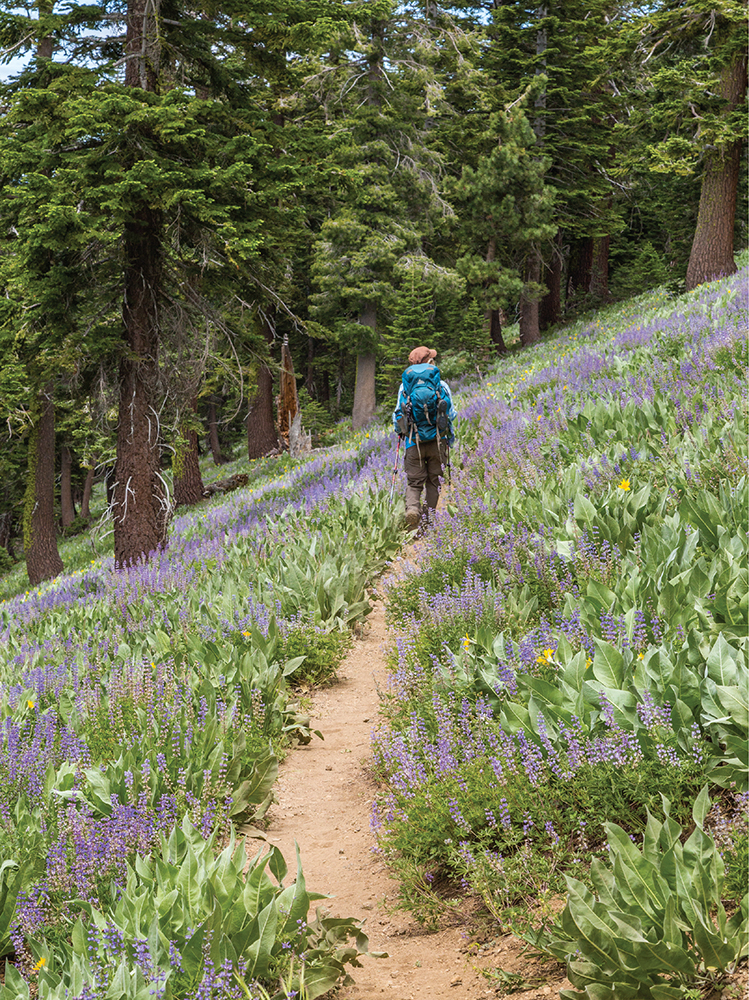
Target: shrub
point(323, 652)
point(656, 923)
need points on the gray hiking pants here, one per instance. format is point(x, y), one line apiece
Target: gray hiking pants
point(423, 464)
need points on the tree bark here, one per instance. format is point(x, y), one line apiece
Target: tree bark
point(529, 329)
point(581, 265)
point(712, 249)
point(288, 402)
point(43, 561)
point(87, 489)
point(492, 316)
point(42, 557)
point(188, 483)
point(550, 306)
point(262, 436)
point(495, 331)
point(365, 400)
point(67, 507)
point(599, 270)
point(140, 506)
point(213, 441)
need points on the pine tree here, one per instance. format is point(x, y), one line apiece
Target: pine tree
point(694, 108)
point(169, 165)
point(411, 324)
point(379, 219)
point(572, 118)
point(43, 276)
point(507, 207)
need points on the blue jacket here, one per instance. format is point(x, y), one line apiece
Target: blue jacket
point(430, 433)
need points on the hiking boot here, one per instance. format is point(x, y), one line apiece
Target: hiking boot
point(413, 517)
point(423, 525)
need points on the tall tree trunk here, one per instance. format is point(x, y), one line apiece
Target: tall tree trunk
point(46, 45)
point(213, 441)
point(262, 436)
point(140, 505)
point(492, 316)
point(309, 379)
point(542, 41)
point(67, 507)
point(712, 248)
point(581, 265)
point(188, 483)
point(39, 537)
point(288, 401)
point(365, 400)
point(529, 329)
point(495, 331)
point(43, 560)
point(550, 306)
point(87, 490)
point(599, 270)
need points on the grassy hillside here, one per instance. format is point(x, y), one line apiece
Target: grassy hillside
point(571, 665)
point(571, 645)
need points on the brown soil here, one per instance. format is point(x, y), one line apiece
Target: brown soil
point(324, 797)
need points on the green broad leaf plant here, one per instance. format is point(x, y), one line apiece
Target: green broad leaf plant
point(655, 923)
point(186, 908)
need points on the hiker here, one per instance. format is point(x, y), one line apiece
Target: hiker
point(423, 420)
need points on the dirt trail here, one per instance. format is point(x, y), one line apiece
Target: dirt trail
point(324, 798)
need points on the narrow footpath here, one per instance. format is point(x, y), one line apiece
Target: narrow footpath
point(324, 797)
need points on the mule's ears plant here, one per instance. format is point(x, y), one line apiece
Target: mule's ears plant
point(10, 885)
point(655, 924)
point(184, 917)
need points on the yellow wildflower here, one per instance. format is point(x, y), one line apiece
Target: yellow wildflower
point(31, 703)
point(42, 961)
point(546, 657)
point(623, 485)
point(466, 642)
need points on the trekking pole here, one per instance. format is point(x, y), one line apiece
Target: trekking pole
point(395, 467)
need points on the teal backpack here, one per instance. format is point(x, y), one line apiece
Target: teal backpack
point(424, 408)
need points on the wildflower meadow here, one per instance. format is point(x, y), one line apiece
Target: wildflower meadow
point(568, 713)
point(564, 739)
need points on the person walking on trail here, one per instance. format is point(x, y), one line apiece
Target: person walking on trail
point(423, 419)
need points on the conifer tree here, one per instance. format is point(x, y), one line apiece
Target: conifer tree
point(572, 118)
point(691, 112)
point(378, 222)
point(506, 206)
point(42, 274)
point(161, 147)
point(411, 323)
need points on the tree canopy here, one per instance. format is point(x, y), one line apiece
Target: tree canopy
point(187, 188)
